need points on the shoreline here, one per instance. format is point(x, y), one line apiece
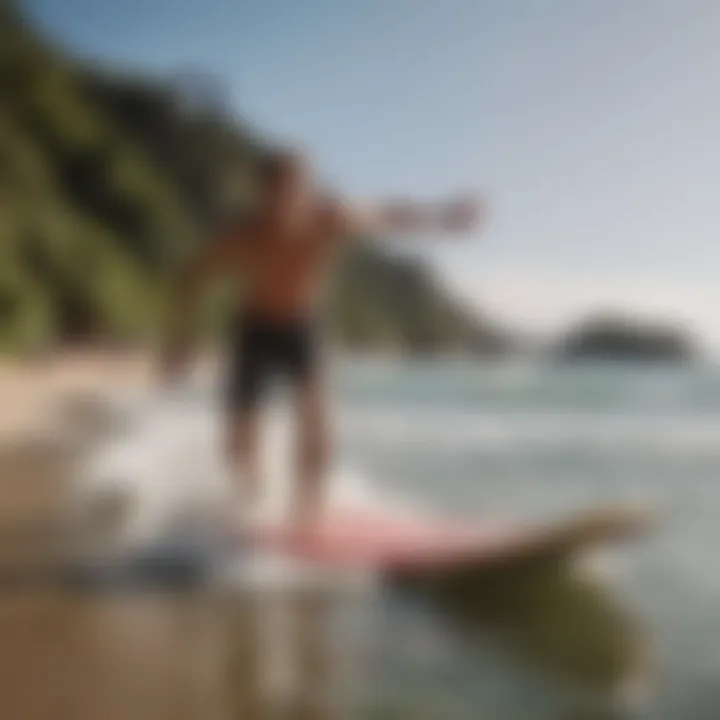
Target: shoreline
point(31, 389)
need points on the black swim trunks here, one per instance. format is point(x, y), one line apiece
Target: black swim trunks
point(262, 350)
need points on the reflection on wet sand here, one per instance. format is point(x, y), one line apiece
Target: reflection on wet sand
point(558, 621)
point(279, 674)
point(153, 655)
point(227, 655)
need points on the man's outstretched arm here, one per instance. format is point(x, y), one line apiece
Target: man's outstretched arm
point(402, 217)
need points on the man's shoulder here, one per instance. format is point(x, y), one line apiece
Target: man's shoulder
point(332, 211)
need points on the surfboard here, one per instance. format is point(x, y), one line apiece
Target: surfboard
point(385, 542)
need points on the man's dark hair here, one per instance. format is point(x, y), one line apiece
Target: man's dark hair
point(276, 163)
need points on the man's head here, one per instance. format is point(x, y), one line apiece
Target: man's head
point(285, 180)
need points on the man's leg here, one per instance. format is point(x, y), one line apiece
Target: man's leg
point(243, 456)
point(313, 448)
point(249, 366)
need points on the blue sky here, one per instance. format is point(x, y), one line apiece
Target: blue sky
point(590, 125)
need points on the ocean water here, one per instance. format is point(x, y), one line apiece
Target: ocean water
point(473, 440)
point(537, 442)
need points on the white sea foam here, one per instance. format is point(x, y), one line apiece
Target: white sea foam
point(167, 467)
point(458, 429)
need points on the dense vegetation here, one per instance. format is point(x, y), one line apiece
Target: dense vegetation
point(107, 180)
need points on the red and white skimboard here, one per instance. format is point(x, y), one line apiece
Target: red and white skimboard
point(384, 542)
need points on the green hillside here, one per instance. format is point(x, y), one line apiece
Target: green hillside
point(107, 180)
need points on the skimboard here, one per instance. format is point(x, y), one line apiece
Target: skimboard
point(388, 543)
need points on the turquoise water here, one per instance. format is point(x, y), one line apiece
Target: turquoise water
point(473, 440)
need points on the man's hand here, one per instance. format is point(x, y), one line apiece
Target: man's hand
point(462, 214)
point(459, 215)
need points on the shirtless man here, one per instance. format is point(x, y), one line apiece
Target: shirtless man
point(282, 255)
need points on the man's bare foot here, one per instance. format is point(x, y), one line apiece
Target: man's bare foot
point(304, 522)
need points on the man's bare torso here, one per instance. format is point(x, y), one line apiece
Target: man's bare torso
point(282, 267)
